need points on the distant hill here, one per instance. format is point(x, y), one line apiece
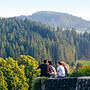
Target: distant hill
point(62, 20)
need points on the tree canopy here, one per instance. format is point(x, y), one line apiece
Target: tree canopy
point(25, 37)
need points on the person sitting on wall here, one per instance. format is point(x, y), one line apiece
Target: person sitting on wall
point(45, 69)
point(54, 73)
point(60, 70)
point(66, 67)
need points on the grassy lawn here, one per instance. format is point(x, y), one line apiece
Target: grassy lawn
point(85, 62)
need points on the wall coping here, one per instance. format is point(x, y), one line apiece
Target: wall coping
point(86, 77)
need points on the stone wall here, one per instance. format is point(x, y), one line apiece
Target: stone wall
point(80, 83)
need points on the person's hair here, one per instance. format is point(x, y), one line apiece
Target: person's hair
point(60, 63)
point(50, 62)
point(45, 61)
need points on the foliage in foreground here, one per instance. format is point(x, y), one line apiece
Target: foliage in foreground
point(36, 83)
point(17, 74)
point(82, 70)
point(29, 63)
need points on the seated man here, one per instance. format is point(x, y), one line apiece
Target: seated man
point(45, 69)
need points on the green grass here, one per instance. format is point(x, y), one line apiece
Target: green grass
point(85, 62)
point(83, 31)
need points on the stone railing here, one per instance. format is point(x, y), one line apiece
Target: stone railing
point(69, 83)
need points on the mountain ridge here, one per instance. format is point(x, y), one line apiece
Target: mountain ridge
point(61, 20)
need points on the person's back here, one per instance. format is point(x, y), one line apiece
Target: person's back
point(53, 74)
point(45, 69)
point(60, 70)
point(53, 69)
point(66, 67)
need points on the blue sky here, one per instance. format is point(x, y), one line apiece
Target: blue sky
point(9, 8)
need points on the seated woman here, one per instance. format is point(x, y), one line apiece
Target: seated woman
point(54, 73)
point(60, 70)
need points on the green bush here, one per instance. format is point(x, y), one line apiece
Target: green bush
point(3, 84)
point(17, 74)
point(37, 82)
point(29, 63)
point(13, 76)
point(82, 71)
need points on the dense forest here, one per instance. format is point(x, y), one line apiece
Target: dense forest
point(25, 37)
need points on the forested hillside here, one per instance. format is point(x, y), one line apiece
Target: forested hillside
point(18, 36)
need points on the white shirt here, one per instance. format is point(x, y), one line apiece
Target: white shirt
point(61, 71)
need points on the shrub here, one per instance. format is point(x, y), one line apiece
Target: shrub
point(29, 64)
point(3, 84)
point(13, 76)
point(82, 71)
point(37, 83)
point(17, 74)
